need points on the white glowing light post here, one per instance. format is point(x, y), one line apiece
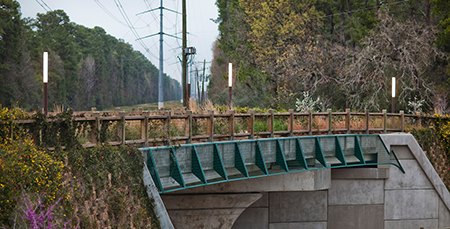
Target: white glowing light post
point(230, 83)
point(393, 95)
point(45, 79)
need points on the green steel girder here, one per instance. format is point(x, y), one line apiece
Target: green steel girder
point(299, 155)
point(319, 153)
point(197, 169)
point(358, 150)
point(239, 161)
point(259, 159)
point(175, 171)
point(281, 160)
point(151, 165)
point(209, 165)
point(218, 164)
point(338, 149)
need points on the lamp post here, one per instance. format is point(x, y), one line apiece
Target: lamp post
point(393, 95)
point(45, 79)
point(230, 83)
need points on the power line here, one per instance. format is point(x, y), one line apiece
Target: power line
point(46, 9)
point(46, 5)
point(108, 12)
point(130, 25)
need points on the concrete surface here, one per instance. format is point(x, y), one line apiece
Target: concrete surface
point(207, 210)
point(305, 225)
point(356, 192)
point(356, 216)
point(152, 192)
point(297, 206)
point(360, 173)
point(406, 224)
point(301, 181)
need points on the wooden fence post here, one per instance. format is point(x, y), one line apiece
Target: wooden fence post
point(367, 120)
point(95, 131)
point(251, 124)
point(144, 128)
point(121, 129)
point(271, 122)
point(402, 120)
point(291, 122)
point(330, 121)
point(310, 122)
point(231, 125)
point(347, 120)
point(418, 120)
point(384, 120)
point(168, 118)
point(210, 126)
point(189, 125)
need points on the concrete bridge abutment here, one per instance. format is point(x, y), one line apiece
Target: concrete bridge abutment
point(369, 197)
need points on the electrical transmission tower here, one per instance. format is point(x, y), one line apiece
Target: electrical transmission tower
point(161, 53)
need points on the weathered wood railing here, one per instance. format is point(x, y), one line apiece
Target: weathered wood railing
point(170, 128)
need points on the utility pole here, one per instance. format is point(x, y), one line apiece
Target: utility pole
point(161, 52)
point(185, 103)
point(186, 52)
point(161, 65)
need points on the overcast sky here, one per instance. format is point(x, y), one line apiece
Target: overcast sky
point(105, 13)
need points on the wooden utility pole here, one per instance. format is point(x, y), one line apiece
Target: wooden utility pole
point(185, 103)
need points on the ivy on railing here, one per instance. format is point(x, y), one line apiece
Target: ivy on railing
point(171, 128)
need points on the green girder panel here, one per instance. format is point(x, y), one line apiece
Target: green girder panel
point(193, 165)
point(319, 153)
point(197, 169)
point(339, 154)
point(281, 161)
point(218, 164)
point(259, 159)
point(299, 156)
point(239, 161)
point(175, 171)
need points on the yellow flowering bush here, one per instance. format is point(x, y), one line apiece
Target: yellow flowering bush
point(23, 166)
point(442, 124)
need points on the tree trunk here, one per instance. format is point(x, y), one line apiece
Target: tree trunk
point(342, 25)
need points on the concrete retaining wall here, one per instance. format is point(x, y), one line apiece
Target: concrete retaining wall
point(381, 197)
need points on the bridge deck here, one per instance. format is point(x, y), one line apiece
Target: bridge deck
point(179, 167)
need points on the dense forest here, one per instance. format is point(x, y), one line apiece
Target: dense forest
point(87, 67)
point(334, 53)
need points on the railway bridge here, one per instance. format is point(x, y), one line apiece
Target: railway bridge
point(330, 181)
point(278, 170)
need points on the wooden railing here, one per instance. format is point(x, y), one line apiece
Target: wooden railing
point(170, 128)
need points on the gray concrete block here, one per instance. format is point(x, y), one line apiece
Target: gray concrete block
point(253, 218)
point(304, 225)
point(205, 201)
point(402, 224)
point(359, 173)
point(356, 192)
point(204, 218)
point(322, 179)
point(297, 206)
point(356, 216)
point(411, 204)
point(413, 178)
point(402, 152)
point(262, 202)
point(444, 215)
point(419, 155)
